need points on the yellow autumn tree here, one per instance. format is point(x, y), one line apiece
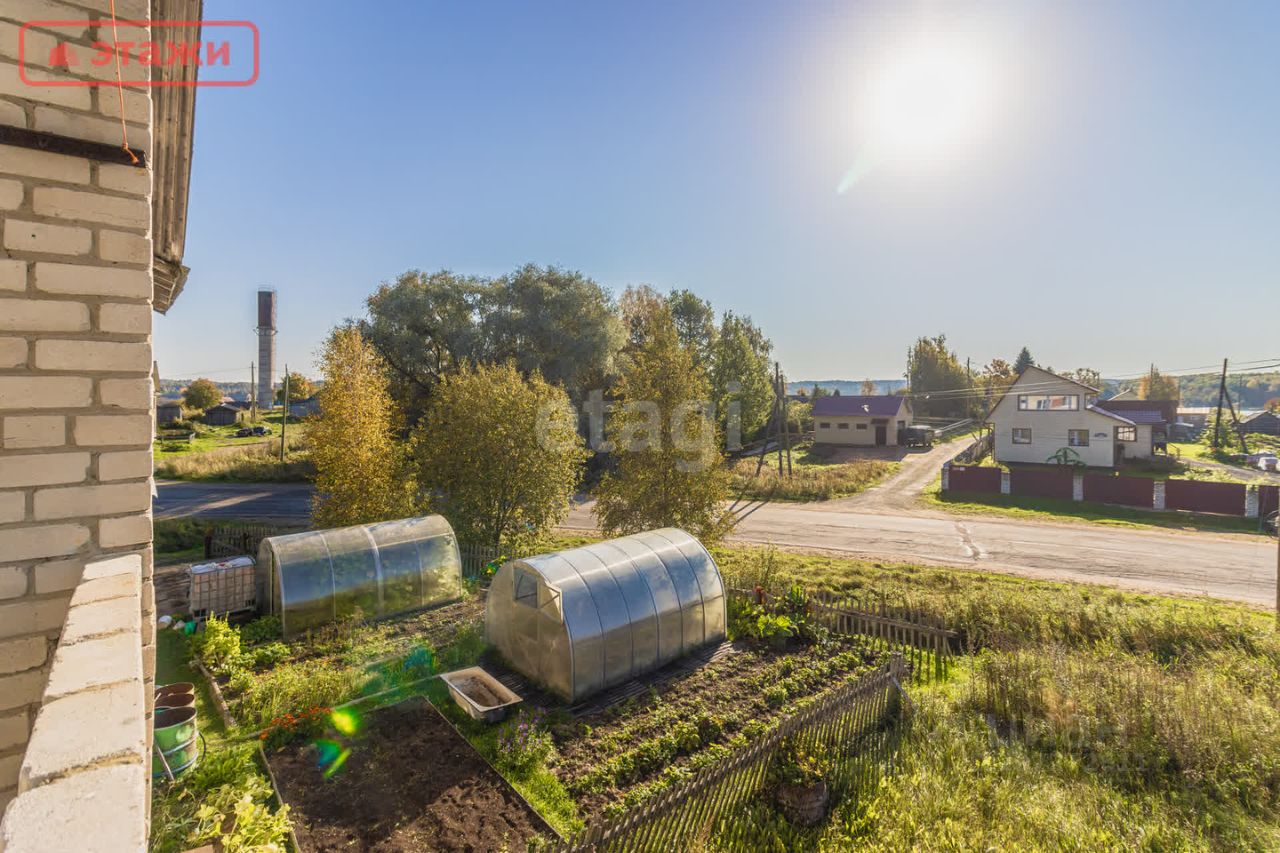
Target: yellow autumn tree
point(361, 472)
point(670, 471)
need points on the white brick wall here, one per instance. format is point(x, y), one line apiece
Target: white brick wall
point(75, 408)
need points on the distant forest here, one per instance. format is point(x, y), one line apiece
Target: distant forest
point(1248, 390)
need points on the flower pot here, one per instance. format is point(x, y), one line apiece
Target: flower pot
point(174, 726)
point(803, 805)
point(175, 700)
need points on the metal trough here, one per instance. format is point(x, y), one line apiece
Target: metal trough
point(478, 693)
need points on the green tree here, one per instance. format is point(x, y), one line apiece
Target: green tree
point(818, 391)
point(1272, 405)
point(201, 394)
point(669, 468)
point(498, 454)
point(1085, 376)
point(361, 472)
point(1157, 386)
point(932, 369)
point(547, 319)
point(992, 382)
point(695, 325)
point(300, 388)
point(1023, 361)
point(741, 386)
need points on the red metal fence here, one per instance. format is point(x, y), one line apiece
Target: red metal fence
point(1268, 500)
point(1042, 484)
point(1129, 491)
point(973, 479)
point(1223, 498)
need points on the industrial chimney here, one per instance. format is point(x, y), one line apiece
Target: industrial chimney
point(266, 348)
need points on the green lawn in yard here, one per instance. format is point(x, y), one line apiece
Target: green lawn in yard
point(814, 475)
point(1051, 509)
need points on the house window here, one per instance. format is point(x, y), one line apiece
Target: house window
point(1021, 435)
point(1078, 438)
point(825, 425)
point(862, 426)
point(1127, 433)
point(842, 426)
point(1048, 402)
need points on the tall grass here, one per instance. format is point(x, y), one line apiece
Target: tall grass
point(809, 480)
point(254, 463)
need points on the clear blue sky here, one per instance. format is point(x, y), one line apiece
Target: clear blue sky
point(1121, 206)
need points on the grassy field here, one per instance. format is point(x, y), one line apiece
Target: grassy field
point(814, 476)
point(216, 455)
point(1083, 718)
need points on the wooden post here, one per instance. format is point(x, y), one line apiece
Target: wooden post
point(253, 392)
point(1217, 419)
point(284, 419)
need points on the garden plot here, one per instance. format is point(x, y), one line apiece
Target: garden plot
point(619, 757)
point(408, 782)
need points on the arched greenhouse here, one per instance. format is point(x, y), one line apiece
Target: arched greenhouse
point(582, 620)
point(372, 570)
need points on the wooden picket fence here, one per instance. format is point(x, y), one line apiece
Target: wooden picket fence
point(923, 639)
point(475, 560)
point(855, 725)
point(235, 540)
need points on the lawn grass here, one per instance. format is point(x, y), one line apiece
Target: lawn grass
point(814, 476)
point(1053, 509)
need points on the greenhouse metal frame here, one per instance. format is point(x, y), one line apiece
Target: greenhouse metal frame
point(368, 571)
point(583, 620)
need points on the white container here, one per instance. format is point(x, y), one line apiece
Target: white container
point(219, 587)
point(478, 693)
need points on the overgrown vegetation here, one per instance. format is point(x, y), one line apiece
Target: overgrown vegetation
point(253, 463)
point(815, 476)
point(1089, 719)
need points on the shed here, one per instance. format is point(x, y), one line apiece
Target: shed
point(223, 414)
point(168, 412)
point(1265, 423)
point(582, 620)
point(368, 571)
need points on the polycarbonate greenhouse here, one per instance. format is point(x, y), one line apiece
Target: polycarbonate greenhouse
point(372, 570)
point(582, 620)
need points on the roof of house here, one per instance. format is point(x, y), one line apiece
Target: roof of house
point(1138, 416)
point(1143, 411)
point(881, 406)
point(1101, 411)
point(1257, 415)
point(228, 406)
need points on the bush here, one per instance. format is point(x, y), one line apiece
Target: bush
point(218, 646)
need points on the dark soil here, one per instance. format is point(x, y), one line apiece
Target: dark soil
point(411, 783)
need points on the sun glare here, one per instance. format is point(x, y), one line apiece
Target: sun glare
point(923, 103)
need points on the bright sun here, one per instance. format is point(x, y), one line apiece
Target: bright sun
point(926, 101)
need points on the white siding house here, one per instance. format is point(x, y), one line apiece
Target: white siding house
point(866, 421)
point(1042, 413)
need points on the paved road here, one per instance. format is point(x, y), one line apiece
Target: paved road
point(1222, 565)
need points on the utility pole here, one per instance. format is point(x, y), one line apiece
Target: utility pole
point(284, 419)
point(253, 392)
point(1217, 420)
point(1235, 420)
point(786, 423)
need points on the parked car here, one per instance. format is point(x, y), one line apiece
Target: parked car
point(917, 436)
point(244, 432)
point(1269, 463)
point(261, 430)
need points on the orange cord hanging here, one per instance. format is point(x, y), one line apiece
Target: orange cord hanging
point(124, 128)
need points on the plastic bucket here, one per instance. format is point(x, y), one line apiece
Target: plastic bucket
point(174, 726)
point(179, 759)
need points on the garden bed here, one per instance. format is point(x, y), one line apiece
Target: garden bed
point(619, 757)
point(411, 782)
